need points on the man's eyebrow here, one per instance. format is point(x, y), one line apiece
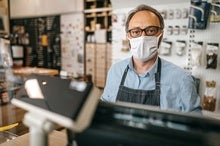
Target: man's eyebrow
point(145, 27)
point(134, 28)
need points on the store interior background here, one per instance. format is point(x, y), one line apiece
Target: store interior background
point(88, 40)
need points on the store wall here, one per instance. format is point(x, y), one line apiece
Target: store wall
point(72, 43)
point(177, 18)
point(119, 42)
point(33, 8)
point(72, 30)
point(121, 4)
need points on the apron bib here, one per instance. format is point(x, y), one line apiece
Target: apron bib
point(148, 97)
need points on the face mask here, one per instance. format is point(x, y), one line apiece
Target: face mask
point(144, 48)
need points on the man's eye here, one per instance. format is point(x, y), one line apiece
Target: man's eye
point(151, 31)
point(135, 31)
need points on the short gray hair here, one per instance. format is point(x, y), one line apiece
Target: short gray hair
point(143, 7)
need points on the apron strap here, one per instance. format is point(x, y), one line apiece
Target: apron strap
point(158, 74)
point(124, 76)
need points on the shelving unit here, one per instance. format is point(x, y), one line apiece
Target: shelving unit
point(98, 61)
point(98, 37)
point(97, 16)
point(40, 40)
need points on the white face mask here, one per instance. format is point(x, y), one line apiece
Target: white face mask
point(144, 48)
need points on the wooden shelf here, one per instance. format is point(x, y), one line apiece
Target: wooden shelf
point(97, 10)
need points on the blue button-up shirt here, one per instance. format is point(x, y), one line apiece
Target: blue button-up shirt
point(178, 89)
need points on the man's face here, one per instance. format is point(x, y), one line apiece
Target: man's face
point(144, 20)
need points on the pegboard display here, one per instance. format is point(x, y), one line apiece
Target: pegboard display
point(181, 43)
point(40, 39)
point(204, 57)
point(206, 69)
point(174, 46)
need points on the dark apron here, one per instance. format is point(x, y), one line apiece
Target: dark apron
point(149, 97)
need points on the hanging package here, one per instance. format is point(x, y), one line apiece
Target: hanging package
point(212, 55)
point(199, 14)
point(215, 12)
point(196, 53)
point(209, 100)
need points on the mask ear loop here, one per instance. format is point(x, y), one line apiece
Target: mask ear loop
point(129, 44)
point(159, 39)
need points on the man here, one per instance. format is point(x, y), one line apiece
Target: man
point(145, 78)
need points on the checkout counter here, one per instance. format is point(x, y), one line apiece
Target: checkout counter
point(91, 122)
point(26, 71)
point(132, 125)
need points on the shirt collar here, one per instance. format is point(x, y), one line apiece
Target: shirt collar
point(150, 72)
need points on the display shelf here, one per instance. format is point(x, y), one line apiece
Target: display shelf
point(97, 10)
point(40, 40)
point(97, 16)
point(98, 62)
point(98, 37)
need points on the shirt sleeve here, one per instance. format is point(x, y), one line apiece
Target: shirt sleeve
point(112, 85)
point(190, 101)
